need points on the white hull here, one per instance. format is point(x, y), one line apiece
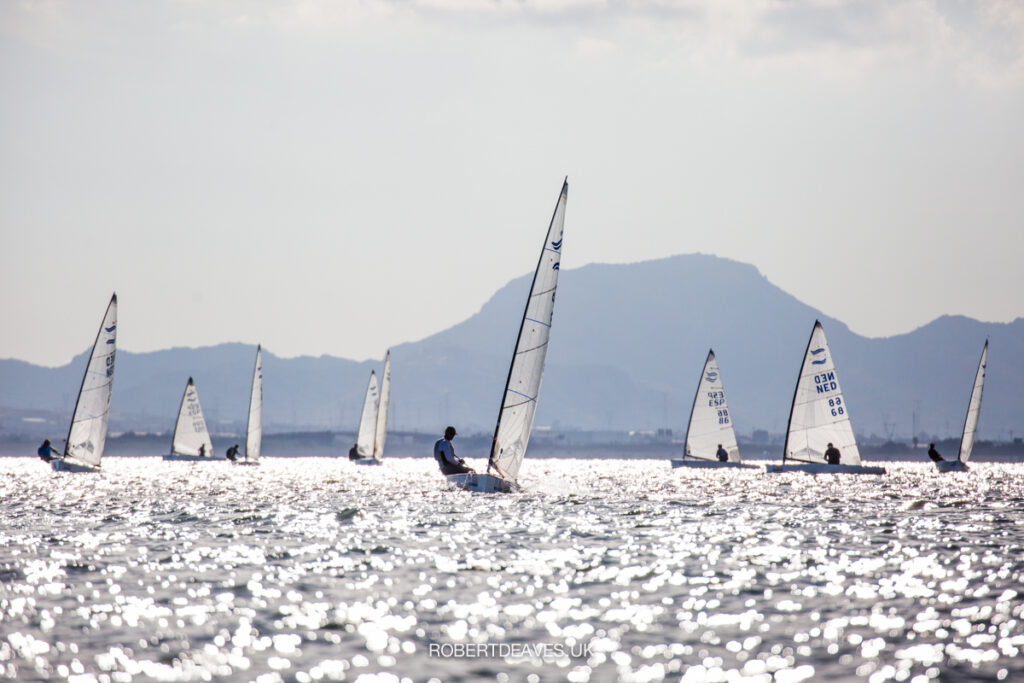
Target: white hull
point(481, 483)
point(368, 461)
point(189, 458)
point(62, 465)
point(705, 464)
point(252, 463)
point(816, 468)
point(952, 466)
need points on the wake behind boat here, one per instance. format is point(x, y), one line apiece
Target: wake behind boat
point(522, 388)
point(710, 438)
point(191, 439)
point(970, 422)
point(87, 434)
point(819, 439)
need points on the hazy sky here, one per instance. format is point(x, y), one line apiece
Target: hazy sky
point(338, 177)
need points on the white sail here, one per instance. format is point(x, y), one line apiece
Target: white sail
point(974, 408)
point(519, 402)
point(190, 432)
point(88, 432)
point(710, 422)
point(368, 419)
point(254, 425)
point(819, 415)
point(382, 410)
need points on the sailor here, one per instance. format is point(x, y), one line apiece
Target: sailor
point(934, 454)
point(232, 453)
point(46, 451)
point(353, 453)
point(721, 454)
point(202, 450)
point(444, 453)
point(832, 454)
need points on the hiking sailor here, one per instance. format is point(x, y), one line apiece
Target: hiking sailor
point(444, 453)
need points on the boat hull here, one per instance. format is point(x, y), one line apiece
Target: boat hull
point(189, 458)
point(815, 468)
point(250, 463)
point(952, 466)
point(711, 464)
point(481, 483)
point(62, 465)
point(368, 461)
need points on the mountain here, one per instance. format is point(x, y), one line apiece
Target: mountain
point(627, 347)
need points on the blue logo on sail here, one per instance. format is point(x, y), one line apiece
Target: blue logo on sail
point(555, 267)
point(711, 376)
point(556, 245)
point(821, 361)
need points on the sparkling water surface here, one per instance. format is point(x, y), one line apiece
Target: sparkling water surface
point(308, 569)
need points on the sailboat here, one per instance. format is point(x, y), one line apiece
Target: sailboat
point(710, 426)
point(191, 439)
point(254, 425)
point(522, 388)
point(819, 417)
point(374, 420)
point(970, 422)
point(88, 431)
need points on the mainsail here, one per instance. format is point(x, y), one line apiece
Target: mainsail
point(819, 414)
point(190, 433)
point(519, 401)
point(382, 410)
point(88, 432)
point(368, 419)
point(974, 408)
point(254, 425)
point(710, 422)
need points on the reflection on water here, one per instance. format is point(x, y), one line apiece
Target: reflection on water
point(316, 569)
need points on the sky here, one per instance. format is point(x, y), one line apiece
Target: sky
point(337, 178)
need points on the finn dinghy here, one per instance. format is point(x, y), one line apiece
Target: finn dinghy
point(522, 388)
point(710, 427)
point(88, 432)
point(191, 440)
point(369, 448)
point(254, 424)
point(970, 422)
point(819, 416)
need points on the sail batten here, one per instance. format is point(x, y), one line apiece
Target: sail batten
point(87, 434)
point(710, 422)
point(819, 414)
point(190, 432)
point(515, 416)
point(254, 425)
point(974, 408)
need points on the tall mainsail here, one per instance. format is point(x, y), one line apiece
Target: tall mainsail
point(88, 432)
point(382, 410)
point(974, 408)
point(819, 414)
point(190, 432)
point(710, 422)
point(368, 419)
point(519, 402)
point(254, 425)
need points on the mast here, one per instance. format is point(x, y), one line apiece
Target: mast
point(93, 427)
point(796, 388)
point(686, 439)
point(551, 247)
point(973, 408)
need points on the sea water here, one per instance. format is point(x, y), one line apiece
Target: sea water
point(307, 569)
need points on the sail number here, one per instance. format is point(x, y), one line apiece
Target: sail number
point(110, 364)
point(836, 404)
point(826, 382)
point(723, 416)
point(716, 398)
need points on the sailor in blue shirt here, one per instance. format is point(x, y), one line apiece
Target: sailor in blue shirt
point(45, 451)
point(444, 453)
